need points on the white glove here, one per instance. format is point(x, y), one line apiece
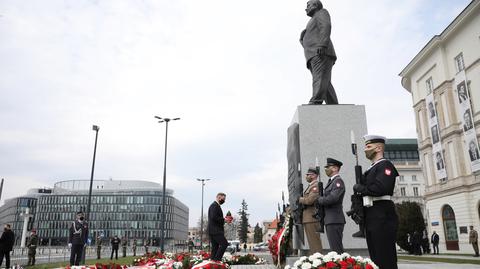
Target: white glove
point(69, 245)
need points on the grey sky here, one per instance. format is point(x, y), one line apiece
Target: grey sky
point(233, 71)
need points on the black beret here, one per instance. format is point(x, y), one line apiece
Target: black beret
point(331, 161)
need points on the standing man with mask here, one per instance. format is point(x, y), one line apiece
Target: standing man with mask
point(32, 247)
point(310, 223)
point(77, 239)
point(332, 201)
point(215, 225)
point(381, 221)
point(6, 245)
point(319, 53)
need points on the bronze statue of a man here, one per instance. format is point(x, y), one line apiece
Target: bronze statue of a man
point(319, 53)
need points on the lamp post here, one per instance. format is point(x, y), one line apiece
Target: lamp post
point(162, 228)
point(201, 214)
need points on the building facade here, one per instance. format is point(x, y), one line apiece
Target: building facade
point(130, 209)
point(444, 81)
point(410, 186)
point(12, 212)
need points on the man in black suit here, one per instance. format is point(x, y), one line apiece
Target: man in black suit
point(319, 53)
point(6, 245)
point(216, 222)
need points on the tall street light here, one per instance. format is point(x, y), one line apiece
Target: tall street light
point(87, 215)
point(162, 228)
point(201, 214)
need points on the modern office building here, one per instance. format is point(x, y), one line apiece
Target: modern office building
point(410, 185)
point(131, 209)
point(444, 81)
point(12, 212)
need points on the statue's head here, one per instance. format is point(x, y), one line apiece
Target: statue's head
point(313, 6)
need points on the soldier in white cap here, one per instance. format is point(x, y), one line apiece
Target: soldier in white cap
point(381, 221)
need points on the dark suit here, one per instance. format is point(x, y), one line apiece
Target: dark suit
point(435, 240)
point(216, 222)
point(332, 201)
point(6, 245)
point(316, 36)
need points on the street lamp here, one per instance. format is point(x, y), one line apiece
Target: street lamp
point(87, 215)
point(162, 228)
point(201, 214)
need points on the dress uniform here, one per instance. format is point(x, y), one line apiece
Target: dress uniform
point(310, 223)
point(381, 221)
point(32, 248)
point(77, 239)
point(332, 202)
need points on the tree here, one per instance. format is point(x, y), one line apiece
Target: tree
point(257, 234)
point(410, 219)
point(205, 233)
point(243, 229)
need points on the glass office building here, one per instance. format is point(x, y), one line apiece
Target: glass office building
point(131, 209)
point(12, 213)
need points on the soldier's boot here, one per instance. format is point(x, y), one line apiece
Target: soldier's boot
point(361, 232)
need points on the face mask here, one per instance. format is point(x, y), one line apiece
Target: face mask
point(82, 218)
point(370, 154)
point(221, 201)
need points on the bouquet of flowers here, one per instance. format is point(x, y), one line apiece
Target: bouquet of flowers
point(332, 260)
point(280, 241)
point(228, 217)
point(242, 260)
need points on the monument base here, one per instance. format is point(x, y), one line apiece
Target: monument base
point(325, 131)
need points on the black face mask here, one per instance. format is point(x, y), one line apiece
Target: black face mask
point(82, 218)
point(221, 201)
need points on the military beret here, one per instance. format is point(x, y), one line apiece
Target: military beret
point(312, 171)
point(332, 161)
point(374, 139)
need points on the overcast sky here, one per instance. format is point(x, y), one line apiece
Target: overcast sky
point(234, 72)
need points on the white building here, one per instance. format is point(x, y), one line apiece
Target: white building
point(447, 138)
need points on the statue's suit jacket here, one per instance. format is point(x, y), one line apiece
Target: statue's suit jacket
point(332, 200)
point(317, 34)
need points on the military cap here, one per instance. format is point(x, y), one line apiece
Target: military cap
point(312, 171)
point(374, 139)
point(333, 162)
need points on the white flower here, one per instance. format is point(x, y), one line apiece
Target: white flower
point(316, 263)
point(332, 253)
point(337, 258)
point(303, 258)
point(345, 255)
point(306, 265)
point(177, 265)
point(317, 255)
point(297, 263)
point(311, 258)
point(287, 267)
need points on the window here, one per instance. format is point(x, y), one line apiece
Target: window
point(429, 84)
point(402, 178)
point(459, 63)
point(402, 191)
point(414, 177)
point(415, 191)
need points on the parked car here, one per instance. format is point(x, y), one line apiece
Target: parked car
point(261, 247)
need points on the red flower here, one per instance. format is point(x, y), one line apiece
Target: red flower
point(356, 266)
point(331, 265)
point(369, 266)
point(343, 264)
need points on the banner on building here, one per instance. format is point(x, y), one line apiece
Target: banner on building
point(466, 118)
point(437, 150)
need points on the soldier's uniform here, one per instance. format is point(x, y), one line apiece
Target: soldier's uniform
point(332, 202)
point(77, 239)
point(115, 242)
point(32, 248)
point(124, 247)
point(147, 243)
point(310, 223)
point(98, 242)
point(381, 221)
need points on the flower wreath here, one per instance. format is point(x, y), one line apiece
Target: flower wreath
point(280, 241)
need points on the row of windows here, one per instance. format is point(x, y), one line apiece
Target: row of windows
point(102, 199)
point(403, 191)
point(108, 233)
point(398, 155)
point(459, 66)
point(402, 178)
point(107, 208)
point(107, 225)
point(106, 216)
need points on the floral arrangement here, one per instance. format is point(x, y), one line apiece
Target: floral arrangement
point(332, 260)
point(242, 260)
point(278, 245)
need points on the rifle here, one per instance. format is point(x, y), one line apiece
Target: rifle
point(320, 210)
point(356, 210)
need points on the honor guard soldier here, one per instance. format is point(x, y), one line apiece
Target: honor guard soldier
point(32, 247)
point(77, 239)
point(134, 247)
point(310, 223)
point(332, 202)
point(381, 221)
point(98, 243)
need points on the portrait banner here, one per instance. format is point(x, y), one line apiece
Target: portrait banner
point(437, 150)
point(466, 118)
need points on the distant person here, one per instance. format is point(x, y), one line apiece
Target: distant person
point(245, 247)
point(98, 243)
point(473, 151)
point(134, 247)
point(462, 92)
point(216, 232)
point(146, 245)
point(77, 239)
point(190, 245)
point(115, 242)
point(435, 240)
point(425, 243)
point(409, 243)
point(417, 239)
point(32, 247)
point(124, 247)
point(467, 118)
point(473, 239)
point(6, 244)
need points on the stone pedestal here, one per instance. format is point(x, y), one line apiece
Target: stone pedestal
point(324, 131)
